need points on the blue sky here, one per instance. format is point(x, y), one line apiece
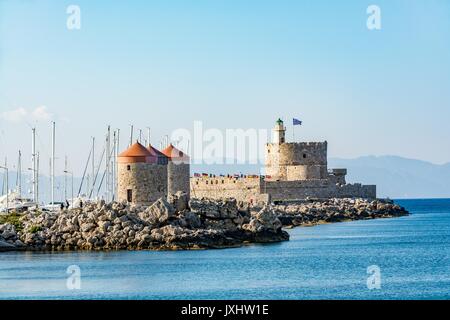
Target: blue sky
point(230, 64)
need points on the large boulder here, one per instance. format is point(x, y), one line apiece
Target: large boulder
point(265, 220)
point(221, 209)
point(179, 201)
point(8, 232)
point(158, 213)
point(5, 246)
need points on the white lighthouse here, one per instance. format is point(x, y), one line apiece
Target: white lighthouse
point(279, 132)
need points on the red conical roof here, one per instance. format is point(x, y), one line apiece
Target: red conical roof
point(156, 155)
point(155, 152)
point(136, 153)
point(174, 154)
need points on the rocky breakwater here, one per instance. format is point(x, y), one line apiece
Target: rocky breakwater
point(165, 225)
point(313, 212)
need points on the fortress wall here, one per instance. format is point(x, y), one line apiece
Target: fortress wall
point(148, 182)
point(242, 189)
point(336, 179)
point(295, 190)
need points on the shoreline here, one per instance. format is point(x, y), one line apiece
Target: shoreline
point(180, 224)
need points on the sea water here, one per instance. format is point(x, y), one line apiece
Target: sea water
point(412, 255)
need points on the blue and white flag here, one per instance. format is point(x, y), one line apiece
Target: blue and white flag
point(296, 122)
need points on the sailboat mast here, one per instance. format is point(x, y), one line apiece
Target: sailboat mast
point(33, 159)
point(131, 135)
point(108, 147)
point(37, 178)
point(65, 177)
point(19, 175)
point(93, 162)
point(113, 169)
point(116, 167)
point(53, 163)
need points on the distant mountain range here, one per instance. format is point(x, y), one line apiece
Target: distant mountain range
point(398, 177)
point(395, 177)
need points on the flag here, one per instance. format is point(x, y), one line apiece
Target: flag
point(296, 122)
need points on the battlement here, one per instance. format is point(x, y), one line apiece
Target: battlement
point(242, 188)
point(308, 144)
point(229, 179)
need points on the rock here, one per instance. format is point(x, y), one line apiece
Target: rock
point(19, 243)
point(7, 235)
point(104, 225)
point(163, 225)
point(5, 246)
point(190, 220)
point(336, 210)
point(204, 207)
point(228, 209)
point(221, 209)
point(265, 219)
point(179, 201)
point(87, 227)
point(158, 212)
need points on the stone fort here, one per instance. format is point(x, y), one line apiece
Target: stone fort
point(294, 171)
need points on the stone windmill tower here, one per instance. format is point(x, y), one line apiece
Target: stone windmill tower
point(142, 175)
point(178, 170)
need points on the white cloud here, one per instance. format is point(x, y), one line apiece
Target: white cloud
point(41, 113)
point(16, 115)
point(21, 114)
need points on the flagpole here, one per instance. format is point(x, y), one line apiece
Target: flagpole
point(293, 133)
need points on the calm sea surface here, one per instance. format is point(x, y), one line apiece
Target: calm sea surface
point(323, 262)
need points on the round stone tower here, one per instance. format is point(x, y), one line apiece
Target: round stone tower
point(295, 161)
point(141, 180)
point(178, 170)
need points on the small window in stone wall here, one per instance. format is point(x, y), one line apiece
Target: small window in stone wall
point(128, 167)
point(304, 156)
